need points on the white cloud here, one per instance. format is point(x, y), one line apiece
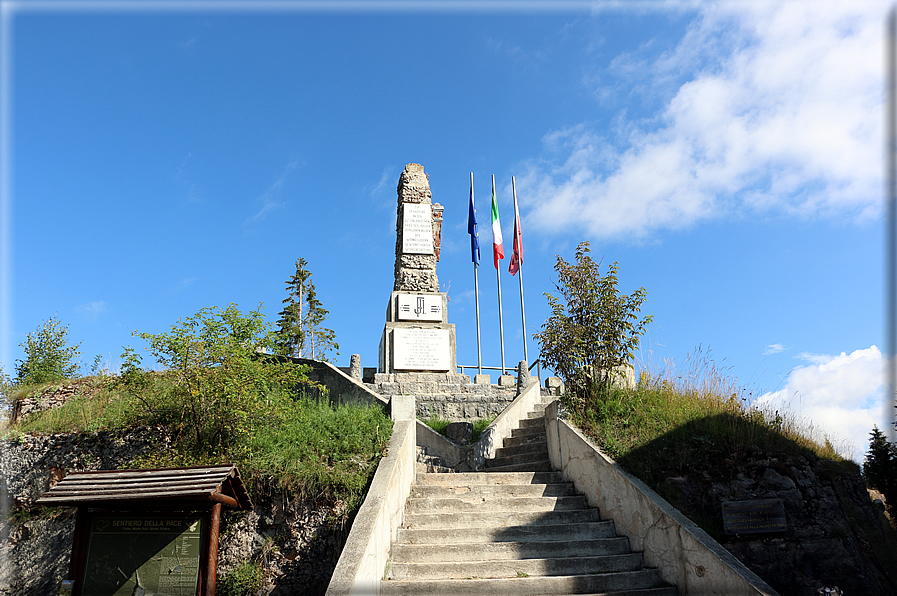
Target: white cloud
point(840, 395)
point(270, 196)
point(92, 310)
point(773, 349)
point(780, 111)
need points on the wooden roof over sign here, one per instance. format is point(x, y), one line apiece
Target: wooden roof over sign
point(217, 484)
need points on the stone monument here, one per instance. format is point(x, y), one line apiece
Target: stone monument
point(417, 336)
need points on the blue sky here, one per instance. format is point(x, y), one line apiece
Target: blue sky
point(164, 157)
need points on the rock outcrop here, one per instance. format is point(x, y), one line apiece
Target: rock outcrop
point(836, 535)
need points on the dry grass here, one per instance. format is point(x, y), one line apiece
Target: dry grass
point(682, 416)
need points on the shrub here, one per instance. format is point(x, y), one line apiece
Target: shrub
point(593, 328)
point(243, 580)
point(220, 385)
point(48, 357)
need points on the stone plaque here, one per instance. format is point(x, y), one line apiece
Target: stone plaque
point(754, 516)
point(146, 554)
point(421, 349)
point(417, 229)
point(417, 307)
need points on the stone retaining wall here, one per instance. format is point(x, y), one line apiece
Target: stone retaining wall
point(54, 396)
point(450, 396)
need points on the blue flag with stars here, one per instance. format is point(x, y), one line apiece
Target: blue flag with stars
point(472, 230)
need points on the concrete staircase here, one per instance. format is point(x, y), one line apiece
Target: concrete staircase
point(516, 528)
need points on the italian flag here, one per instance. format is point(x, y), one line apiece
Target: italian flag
point(498, 251)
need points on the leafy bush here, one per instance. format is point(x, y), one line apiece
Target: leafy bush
point(221, 387)
point(48, 357)
point(593, 329)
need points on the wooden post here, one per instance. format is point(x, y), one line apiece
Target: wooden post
point(79, 546)
point(212, 563)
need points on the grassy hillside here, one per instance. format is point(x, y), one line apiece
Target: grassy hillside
point(283, 442)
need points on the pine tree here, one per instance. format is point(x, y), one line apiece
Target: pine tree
point(880, 467)
point(300, 330)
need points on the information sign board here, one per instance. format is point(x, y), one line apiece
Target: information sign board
point(129, 555)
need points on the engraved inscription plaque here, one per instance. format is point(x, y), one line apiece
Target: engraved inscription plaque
point(416, 307)
point(417, 229)
point(754, 516)
point(421, 349)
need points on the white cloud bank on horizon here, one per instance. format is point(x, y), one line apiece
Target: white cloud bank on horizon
point(840, 395)
point(780, 112)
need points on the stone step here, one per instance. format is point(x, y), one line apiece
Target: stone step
point(504, 551)
point(538, 410)
point(519, 533)
point(562, 584)
point(478, 491)
point(423, 468)
point(520, 458)
point(518, 568)
point(533, 438)
point(497, 503)
point(542, 465)
point(466, 478)
point(537, 422)
point(492, 519)
point(527, 431)
point(530, 447)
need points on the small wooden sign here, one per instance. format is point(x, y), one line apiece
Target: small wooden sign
point(754, 516)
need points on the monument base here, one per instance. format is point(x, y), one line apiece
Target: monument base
point(417, 347)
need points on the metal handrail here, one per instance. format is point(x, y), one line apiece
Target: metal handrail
point(537, 364)
point(463, 366)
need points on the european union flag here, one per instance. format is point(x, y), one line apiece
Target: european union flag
point(472, 230)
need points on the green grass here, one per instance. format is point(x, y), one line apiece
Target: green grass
point(700, 402)
point(293, 443)
point(699, 425)
point(109, 408)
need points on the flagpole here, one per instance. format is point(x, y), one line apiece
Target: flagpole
point(476, 293)
point(519, 245)
point(501, 327)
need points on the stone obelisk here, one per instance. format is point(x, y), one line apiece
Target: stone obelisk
point(417, 336)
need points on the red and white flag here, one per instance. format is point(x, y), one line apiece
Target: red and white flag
point(498, 250)
point(517, 255)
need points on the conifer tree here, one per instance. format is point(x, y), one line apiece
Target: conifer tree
point(880, 467)
point(300, 331)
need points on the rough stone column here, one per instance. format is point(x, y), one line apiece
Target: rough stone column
point(355, 366)
point(415, 272)
point(522, 376)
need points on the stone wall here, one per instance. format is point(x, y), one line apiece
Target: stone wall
point(450, 396)
point(55, 396)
